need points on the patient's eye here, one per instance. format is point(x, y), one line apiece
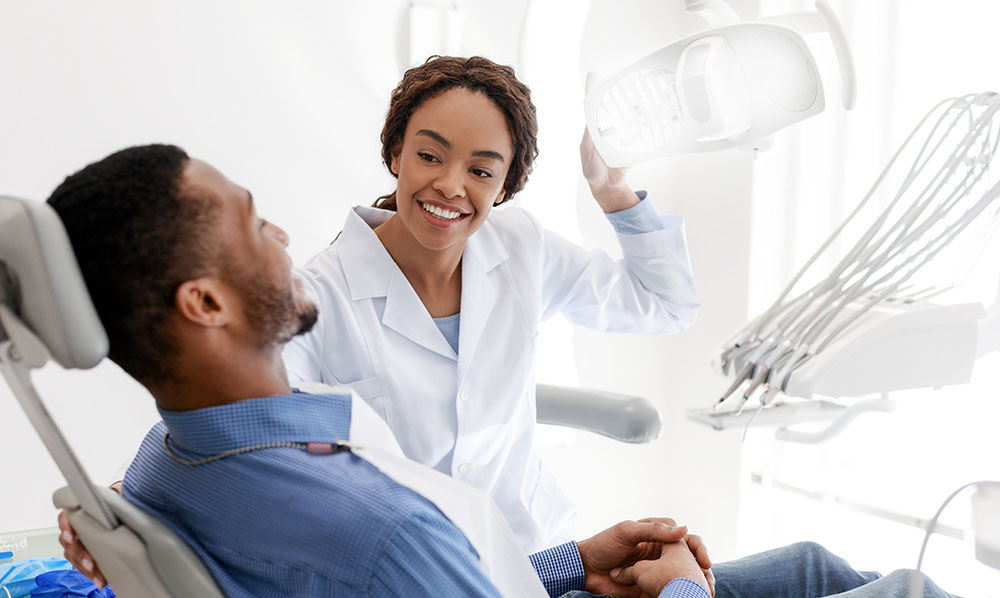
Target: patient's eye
point(426, 157)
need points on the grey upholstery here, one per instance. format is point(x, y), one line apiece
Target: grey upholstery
point(45, 311)
point(34, 245)
point(140, 557)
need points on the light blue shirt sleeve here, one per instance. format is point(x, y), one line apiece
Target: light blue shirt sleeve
point(683, 587)
point(641, 218)
point(429, 557)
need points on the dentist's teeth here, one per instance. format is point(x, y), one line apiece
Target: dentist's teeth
point(441, 212)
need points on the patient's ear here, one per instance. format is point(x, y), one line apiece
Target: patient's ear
point(202, 301)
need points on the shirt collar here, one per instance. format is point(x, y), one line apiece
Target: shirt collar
point(369, 268)
point(297, 417)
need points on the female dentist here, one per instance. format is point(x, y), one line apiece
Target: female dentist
point(430, 302)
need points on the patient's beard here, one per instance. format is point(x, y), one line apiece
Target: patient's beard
point(272, 311)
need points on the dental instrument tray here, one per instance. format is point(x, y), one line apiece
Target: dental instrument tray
point(778, 415)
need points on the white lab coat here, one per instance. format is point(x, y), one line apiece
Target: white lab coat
point(471, 415)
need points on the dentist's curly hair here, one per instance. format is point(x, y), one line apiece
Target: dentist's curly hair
point(477, 74)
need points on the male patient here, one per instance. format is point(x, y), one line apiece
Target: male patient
point(196, 293)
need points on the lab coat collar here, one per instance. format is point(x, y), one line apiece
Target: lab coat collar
point(368, 267)
point(371, 272)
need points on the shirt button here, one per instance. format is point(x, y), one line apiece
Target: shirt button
point(464, 468)
point(465, 395)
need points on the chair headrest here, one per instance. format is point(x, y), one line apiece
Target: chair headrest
point(40, 281)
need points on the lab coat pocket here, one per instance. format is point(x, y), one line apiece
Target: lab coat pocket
point(546, 503)
point(537, 493)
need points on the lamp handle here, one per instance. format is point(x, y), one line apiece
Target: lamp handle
point(825, 20)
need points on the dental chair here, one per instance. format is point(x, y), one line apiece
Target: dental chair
point(46, 313)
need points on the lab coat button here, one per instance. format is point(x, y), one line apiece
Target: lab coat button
point(464, 468)
point(465, 395)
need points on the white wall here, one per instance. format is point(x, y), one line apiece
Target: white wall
point(287, 100)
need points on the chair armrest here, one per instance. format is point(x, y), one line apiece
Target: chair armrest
point(141, 557)
point(622, 417)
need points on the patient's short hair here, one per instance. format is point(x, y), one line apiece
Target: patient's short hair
point(137, 236)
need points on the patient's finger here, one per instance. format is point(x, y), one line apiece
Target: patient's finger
point(710, 578)
point(637, 532)
point(626, 575)
point(664, 520)
point(699, 550)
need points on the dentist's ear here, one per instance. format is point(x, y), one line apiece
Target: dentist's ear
point(202, 301)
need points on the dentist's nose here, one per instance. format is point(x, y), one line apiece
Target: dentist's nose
point(450, 182)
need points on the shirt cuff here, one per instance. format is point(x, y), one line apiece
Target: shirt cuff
point(640, 218)
point(560, 568)
point(683, 587)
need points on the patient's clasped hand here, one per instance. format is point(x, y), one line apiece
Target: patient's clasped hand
point(197, 295)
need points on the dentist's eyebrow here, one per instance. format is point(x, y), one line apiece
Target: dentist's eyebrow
point(488, 154)
point(435, 136)
point(440, 139)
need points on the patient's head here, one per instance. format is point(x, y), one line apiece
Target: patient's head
point(169, 249)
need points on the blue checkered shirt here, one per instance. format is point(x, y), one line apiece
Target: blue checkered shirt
point(283, 522)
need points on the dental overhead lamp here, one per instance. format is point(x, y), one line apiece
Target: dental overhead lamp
point(729, 86)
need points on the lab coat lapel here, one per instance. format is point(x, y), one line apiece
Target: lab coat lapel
point(371, 272)
point(406, 314)
point(482, 253)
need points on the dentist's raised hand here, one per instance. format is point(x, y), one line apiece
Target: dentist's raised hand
point(607, 185)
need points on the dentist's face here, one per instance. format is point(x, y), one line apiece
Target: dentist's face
point(451, 167)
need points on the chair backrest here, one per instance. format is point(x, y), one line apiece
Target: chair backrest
point(41, 283)
point(45, 310)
